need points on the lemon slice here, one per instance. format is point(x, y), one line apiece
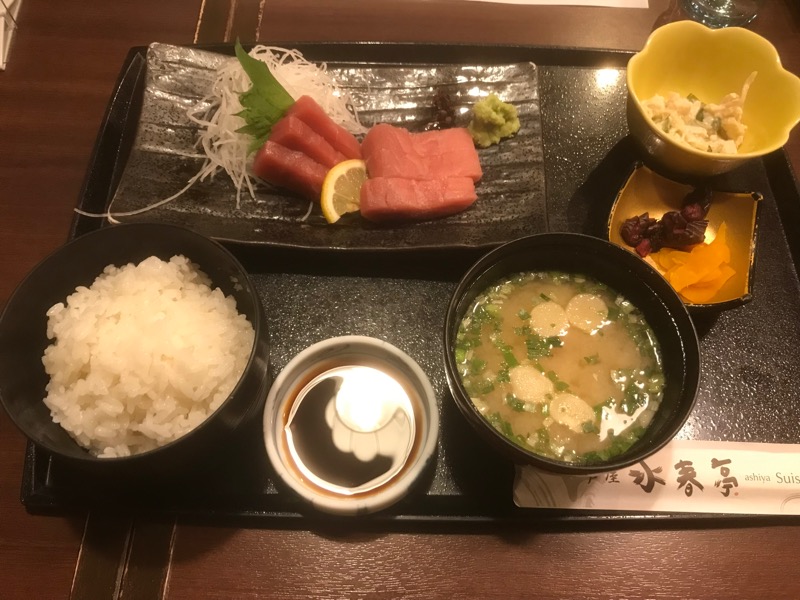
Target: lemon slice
point(341, 190)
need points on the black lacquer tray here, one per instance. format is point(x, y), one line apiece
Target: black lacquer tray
point(750, 389)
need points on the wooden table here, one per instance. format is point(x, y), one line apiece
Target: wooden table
point(62, 68)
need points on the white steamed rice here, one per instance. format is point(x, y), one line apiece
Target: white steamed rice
point(143, 356)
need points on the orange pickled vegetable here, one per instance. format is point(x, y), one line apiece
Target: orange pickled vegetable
point(700, 273)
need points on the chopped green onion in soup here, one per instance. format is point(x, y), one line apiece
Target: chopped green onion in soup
point(577, 374)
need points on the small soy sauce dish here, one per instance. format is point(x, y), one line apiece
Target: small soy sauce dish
point(350, 424)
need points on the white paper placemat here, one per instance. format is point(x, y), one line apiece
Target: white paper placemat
point(611, 3)
point(685, 476)
point(9, 9)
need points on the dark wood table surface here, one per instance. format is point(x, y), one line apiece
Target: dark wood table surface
point(62, 69)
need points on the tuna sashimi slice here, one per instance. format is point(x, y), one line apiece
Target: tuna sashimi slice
point(450, 152)
point(290, 169)
point(398, 198)
point(290, 132)
point(395, 152)
point(309, 112)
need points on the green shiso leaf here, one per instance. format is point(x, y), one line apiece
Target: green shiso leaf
point(264, 103)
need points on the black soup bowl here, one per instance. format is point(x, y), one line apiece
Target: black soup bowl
point(626, 274)
point(23, 339)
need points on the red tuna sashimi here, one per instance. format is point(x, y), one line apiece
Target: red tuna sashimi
point(397, 198)
point(289, 169)
point(309, 112)
point(290, 132)
point(455, 147)
point(395, 152)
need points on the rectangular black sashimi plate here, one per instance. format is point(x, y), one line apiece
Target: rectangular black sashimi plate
point(164, 156)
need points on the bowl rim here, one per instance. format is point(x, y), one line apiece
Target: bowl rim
point(680, 318)
point(698, 29)
point(86, 458)
point(397, 487)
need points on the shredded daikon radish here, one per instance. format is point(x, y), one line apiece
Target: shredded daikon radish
point(308, 212)
point(216, 115)
point(300, 77)
point(227, 149)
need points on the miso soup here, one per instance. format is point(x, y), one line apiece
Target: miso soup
point(561, 364)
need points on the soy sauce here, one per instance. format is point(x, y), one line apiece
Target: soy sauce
point(353, 427)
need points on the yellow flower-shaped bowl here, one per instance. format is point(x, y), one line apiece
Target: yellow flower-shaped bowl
point(689, 58)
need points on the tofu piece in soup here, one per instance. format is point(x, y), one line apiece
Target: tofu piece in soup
point(561, 364)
